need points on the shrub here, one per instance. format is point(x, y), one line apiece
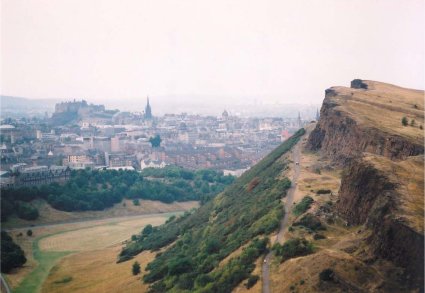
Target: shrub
point(326, 275)
point(252, 280)
point(323, 191)
point(136, 202)
point(404, 121)
point(303, 205)
point(64, 280)
point(310, 222)
point(293, 248)
point(412, 122)
point(136, 268)
point(421, 127)
point(318, 236)
point(29, 232)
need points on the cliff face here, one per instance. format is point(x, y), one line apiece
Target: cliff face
point(382, 182)
point(342, 137)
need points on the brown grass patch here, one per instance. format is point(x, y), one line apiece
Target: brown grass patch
point(97, 271)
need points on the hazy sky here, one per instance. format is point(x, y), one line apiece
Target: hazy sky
point(289, 51)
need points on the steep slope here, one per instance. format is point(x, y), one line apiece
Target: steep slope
point(215, 248)
point(382, 185)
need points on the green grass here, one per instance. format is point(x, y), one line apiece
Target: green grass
point(45, 262)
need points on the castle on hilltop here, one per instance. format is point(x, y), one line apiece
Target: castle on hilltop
point(77, 106)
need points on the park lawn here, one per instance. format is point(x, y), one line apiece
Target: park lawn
point(46, 260)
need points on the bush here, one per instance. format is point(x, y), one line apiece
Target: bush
point(303, 205)
point(326, 275)
point(136, 268)
point(318, 236)
point(252, 280)
point(29, 233)
point(323, 191)
point(293, 248)
point(404, 121)
point(136, 202)
point(310, 222)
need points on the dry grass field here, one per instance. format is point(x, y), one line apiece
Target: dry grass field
point(50, 243)
point(96, 272)
point(99, 236)
point(49, 215)
point(383, 106)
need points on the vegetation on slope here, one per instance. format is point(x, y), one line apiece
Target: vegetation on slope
point(248, 209)
point(97, 190)
point(303, 205)
point(12, 256)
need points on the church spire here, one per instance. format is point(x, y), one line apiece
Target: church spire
point(148, 110)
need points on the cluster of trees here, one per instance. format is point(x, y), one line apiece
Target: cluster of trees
point(292, 248)
point(310, 222)
point(97, 190)
point(204, 237)
point(12, 256)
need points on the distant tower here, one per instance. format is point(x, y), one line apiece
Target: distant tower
point(148, 111)
point(299, 120)
point(317, 115)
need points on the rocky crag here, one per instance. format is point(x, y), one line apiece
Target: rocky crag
point(382, 185)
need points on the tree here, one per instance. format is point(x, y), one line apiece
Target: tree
point(136, 268)
point(29, 232)
point(404, 121)
point(12, 256)
point(155, 141)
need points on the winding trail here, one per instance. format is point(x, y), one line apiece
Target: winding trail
point(296, 155)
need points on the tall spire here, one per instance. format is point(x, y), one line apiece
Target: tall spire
point(299, 119)
point(148, 110)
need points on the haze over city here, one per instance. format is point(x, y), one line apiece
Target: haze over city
point(218, 54)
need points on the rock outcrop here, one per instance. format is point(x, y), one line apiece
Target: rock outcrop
point(382, 181)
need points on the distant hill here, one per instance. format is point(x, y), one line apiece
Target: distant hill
point(24, 107)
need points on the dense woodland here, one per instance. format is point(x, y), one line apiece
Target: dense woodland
point(243, 215)
point(100, 189)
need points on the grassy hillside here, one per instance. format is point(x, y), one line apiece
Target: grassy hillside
point(242, 215)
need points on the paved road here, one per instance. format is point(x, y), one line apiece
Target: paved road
point(296, 154)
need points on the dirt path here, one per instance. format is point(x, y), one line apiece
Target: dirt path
point(296, 156)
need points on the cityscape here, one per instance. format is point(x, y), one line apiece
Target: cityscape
point(79, 135)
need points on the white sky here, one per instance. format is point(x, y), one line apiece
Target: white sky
point(286, 50)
